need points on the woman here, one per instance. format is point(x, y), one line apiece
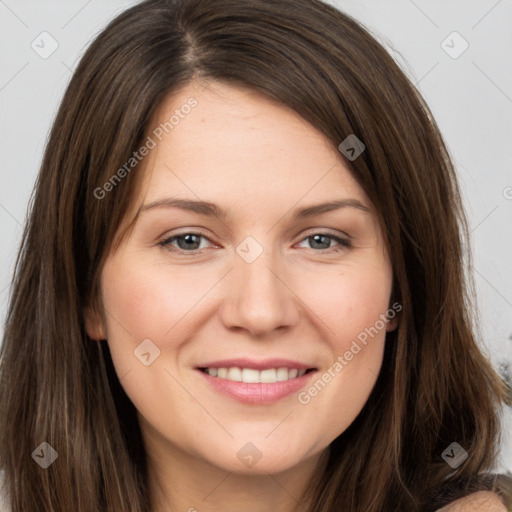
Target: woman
point(315, 350)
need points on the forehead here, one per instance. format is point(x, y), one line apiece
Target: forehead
point(234, 141)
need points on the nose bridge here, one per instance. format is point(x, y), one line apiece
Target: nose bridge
point(258, 299)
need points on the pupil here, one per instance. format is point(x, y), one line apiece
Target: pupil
point(189, 242)
point(317, 237)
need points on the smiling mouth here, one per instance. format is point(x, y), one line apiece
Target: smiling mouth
point(254, 376)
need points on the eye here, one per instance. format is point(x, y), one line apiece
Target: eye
point(190, 242)
point(323, 241)
point(186, 242)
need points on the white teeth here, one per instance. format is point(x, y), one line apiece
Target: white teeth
point(268, 376)
point(250, 375)
point(282, 374)
point(234, 374)
point(253, 376)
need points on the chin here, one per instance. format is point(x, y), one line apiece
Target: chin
point(259, 457)
point(262, 467)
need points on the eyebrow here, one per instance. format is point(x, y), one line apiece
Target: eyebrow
point(211, 209)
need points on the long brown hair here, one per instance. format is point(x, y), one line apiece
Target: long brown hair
point(58, 386)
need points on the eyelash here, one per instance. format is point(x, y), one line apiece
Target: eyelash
point(343, 243)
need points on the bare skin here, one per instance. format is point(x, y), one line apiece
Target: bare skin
point(484, 501)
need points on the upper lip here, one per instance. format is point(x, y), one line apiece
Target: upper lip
point(256, 365)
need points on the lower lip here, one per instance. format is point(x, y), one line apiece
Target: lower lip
point(257, 393)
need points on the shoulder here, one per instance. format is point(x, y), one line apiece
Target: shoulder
point(481, 501)
point(4, 499)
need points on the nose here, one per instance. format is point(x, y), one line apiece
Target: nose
point(258, 297)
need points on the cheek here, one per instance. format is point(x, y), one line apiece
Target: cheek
point(359, 326)
point(144, 301)
point(148, 300)
point(350, 306)
point(348, 301)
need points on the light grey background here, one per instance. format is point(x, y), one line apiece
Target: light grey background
point(469, 94)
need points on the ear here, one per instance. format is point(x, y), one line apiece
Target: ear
point(94, 324)
point(394, 314)
point(392, 323)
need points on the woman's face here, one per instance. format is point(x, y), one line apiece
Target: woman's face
point(262, 281)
